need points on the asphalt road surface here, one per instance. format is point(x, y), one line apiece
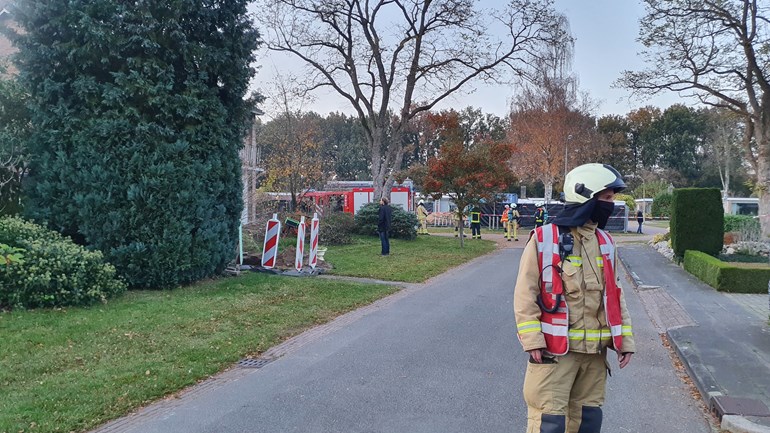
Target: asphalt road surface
point(442, 357)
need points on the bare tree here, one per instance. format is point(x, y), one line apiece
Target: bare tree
point(716, 52)
point(550, 125)
point(392, 59)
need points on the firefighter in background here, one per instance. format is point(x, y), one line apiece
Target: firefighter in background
point(570, 308)
point(456, 221)
point(476, 222)
point(422, 217)
point(539, 214)
point(513, 222)
point(504, 222)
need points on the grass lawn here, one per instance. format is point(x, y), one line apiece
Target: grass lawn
point(410, 261)
point(73, 369)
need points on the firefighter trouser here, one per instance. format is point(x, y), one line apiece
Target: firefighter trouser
point(512, 232)
point(476, 230)
point(423, 226)
point(566, 395)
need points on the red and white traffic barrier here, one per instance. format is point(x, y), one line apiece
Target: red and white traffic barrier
point(314, 241)
point(300, 245)
point(270, 247)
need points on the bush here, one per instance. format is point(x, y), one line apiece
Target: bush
point(724, 276)
point(54, 271)
point(746, 225)
point(630, 203)
point(404, 223)
point(661, 205)
point(138, 155)
point(697, 221)
point(336, 228)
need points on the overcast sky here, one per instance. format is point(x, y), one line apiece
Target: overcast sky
point(605, 33)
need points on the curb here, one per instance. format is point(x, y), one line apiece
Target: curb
point(729, 423)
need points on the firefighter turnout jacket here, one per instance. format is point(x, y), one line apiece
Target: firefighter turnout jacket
point(581, 322)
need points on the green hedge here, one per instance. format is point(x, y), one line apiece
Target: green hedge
point(404, 223)
point(54, 271)
point(661, 205)
point(744, 224)
point(697, 221)
point(726, 277)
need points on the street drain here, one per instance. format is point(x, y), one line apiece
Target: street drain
point(254, 362)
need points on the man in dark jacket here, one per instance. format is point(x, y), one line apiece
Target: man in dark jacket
point(383, 225)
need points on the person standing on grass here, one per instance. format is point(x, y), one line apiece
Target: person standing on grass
point(384, 220)
point(640, 220)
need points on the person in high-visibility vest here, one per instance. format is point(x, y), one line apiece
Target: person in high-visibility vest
point(422, 217)
point(476, 222)
point(570, 308)
point(539, 214)
point(504, 222)
point(513, 222)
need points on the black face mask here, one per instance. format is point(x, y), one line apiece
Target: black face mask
point(602, 212)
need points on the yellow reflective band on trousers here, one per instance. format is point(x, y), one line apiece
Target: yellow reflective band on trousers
point(590, 334)
point(531, 326)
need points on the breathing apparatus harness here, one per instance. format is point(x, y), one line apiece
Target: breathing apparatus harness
point(566, 244)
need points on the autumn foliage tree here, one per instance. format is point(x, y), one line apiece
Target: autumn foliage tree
point(467, 174)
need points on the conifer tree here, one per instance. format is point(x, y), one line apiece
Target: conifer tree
point(138, 113)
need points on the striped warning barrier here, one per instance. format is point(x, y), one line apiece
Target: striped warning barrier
point(314, 241)
point(300, 245)
point(270, 247)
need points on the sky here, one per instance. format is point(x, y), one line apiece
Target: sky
point(605, 33)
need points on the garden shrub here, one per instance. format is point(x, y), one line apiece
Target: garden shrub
point(697, 221)
point(661, 205)
point(630, 203)
point(726, 277)
point(54, 271)
point(336, 228)
point(404, 223)
point(746, 225)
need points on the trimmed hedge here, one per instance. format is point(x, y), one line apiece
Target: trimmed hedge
point(726, 277)
point(54, 271)
point(697, 221)
point(404, 223)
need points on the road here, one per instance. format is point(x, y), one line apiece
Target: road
point(440, 357)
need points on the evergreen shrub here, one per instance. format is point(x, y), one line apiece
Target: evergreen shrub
point(54, 271)
point(661, 205)
point(747, 226)
point(336, 228)
point(630, 204)
point(726, 277)
point(136, 130)
point(697, 221)
point(404, 224)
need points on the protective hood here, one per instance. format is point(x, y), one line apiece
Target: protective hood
point(575, 214)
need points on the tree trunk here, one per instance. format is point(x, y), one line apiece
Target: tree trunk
point(762, 135)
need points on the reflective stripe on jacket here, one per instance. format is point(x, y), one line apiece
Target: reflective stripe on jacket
point(475, 217)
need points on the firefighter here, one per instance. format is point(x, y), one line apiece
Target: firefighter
point(476, 222)
point(513, 222)
point(504, 222)
point(539, 214)
point(422, 217)
point(570, 308)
